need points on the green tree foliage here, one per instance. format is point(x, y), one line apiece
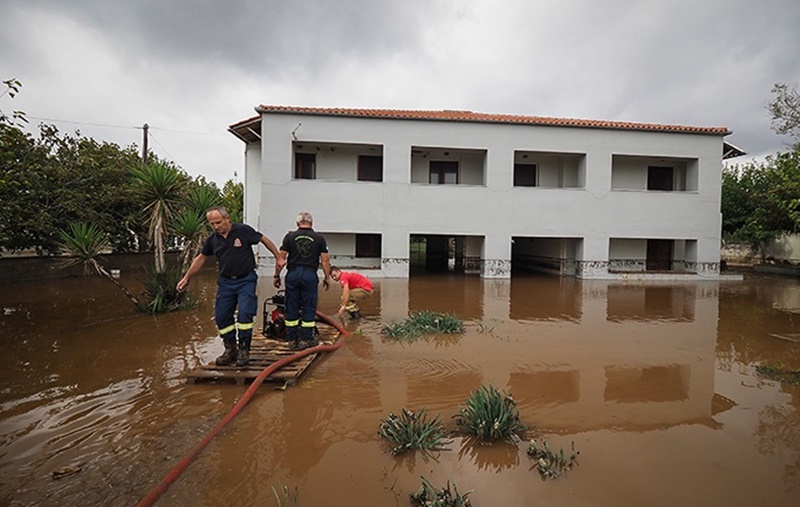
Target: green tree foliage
point(14, 118)
point(233, 200)
point(56, 179)
point(760, 201)
point(161, 186)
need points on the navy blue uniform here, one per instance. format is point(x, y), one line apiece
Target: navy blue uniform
point(304, 247)
point(236, 285)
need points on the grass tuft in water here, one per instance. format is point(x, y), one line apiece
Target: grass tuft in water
point(427, 495)
point(413, 430)
point(780, 374)
point(286, 498)
point(550, 464)
point(490, 415)
point(420, 323)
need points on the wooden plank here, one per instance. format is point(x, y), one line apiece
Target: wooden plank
point(263, 352)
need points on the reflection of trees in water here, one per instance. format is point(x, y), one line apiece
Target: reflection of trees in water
point(779, 433)
point(496, 457)
point(747, 316)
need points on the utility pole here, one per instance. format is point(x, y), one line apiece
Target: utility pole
point(144, 143)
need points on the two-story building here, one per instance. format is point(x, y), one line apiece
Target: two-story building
point(396, 191)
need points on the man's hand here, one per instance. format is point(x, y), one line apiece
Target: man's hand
point(182, 283)
point(325, 284)
point(276, 282)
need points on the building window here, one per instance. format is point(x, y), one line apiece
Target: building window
point(660, 178)
point(368, 245)
point(370, 168)
point(443, 172)
point(524, 175)
point(305, 166)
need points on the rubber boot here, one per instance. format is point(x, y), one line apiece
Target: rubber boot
point(244, 353)
point(229, 356)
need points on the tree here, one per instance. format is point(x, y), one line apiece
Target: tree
point(58, 179)
point(191, 224)
point(761, 201)
point(785, 110)
point(160, 184)
point(15, 118)
point(233, 200)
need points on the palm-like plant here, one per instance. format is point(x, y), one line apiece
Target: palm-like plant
point(161, 185)
point(193, 229)
point(85, 243)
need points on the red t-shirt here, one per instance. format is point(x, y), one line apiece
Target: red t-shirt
point(355, 281)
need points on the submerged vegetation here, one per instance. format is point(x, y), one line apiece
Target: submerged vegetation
point(550, 464)
point(286, 498)
point(429, 496)
point(421, 323)
point(413, 430)
point(490, 414)
point(780, 374)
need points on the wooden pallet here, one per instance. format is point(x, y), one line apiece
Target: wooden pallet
point(264, 352)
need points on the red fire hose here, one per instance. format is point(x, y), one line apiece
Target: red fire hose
point(183, 464)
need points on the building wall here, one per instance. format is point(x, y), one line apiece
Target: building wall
point(486, 200)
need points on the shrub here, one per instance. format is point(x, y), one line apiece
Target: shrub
point(490, 415)
point(429, 496)
point(550, 464)
point(420, 323)
point(413, 430)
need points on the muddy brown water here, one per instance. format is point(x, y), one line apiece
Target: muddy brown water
point(654, 383)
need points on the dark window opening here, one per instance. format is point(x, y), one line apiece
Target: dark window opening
point(370, 168)
point(443, 172)
point(305, 166)
point(368, 245)
point(659, 178)
point(524, 175)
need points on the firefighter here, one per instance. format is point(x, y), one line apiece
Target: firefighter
point(232, 244)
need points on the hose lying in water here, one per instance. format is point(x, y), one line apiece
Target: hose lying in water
point(183, 464)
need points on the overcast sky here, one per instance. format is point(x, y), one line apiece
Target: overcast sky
point(190, 68)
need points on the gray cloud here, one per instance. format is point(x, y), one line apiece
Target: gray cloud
point(192, 67)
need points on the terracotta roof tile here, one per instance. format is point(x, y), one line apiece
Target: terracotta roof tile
point(470, 116)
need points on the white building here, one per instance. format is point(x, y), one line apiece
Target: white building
point(394, 191)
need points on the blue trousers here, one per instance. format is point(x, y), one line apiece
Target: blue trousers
point(301, 296)
point(231, 294)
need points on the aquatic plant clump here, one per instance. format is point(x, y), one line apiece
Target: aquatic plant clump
point(489, 415)
point(549, 464)
point(413, 430)
point(779, 374)
point(420, 323)
point(286, 498)
point(428, 496)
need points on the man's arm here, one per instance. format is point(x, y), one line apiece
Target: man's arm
point(326, 268)
point(345, 297)
point(280, 261)
point(197, 265)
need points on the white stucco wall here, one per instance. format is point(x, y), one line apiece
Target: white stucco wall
point(396, 207)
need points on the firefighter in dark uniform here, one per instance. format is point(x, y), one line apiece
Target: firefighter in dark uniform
point(231, 243)
point(302, 251)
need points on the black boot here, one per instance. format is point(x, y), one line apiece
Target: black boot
point(229, 356)
point(244, 353)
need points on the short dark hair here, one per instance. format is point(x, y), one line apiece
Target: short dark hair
point(335, 268)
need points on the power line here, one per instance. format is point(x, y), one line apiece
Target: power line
point(56, 120)
point(84, 123)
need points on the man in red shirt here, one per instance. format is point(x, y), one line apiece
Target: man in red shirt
point(355, 287)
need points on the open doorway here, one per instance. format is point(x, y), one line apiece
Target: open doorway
point(443, 253)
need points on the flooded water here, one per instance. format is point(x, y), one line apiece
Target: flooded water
point(654, 383)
